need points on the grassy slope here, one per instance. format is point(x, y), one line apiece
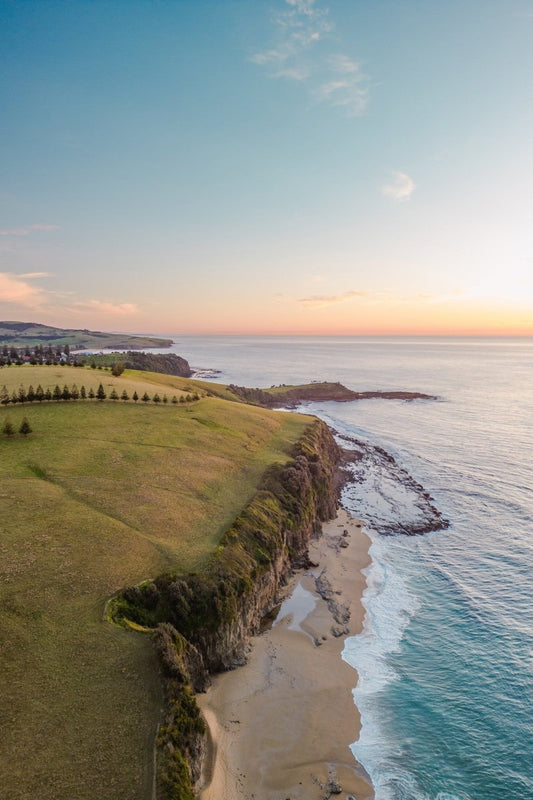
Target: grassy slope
point(32, 334)
point(98, 497)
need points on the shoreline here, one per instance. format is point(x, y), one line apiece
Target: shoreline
point(281, 725)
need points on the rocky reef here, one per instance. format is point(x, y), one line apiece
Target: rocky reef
point(386, 495)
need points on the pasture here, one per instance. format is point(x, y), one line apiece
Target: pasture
point(97, 497)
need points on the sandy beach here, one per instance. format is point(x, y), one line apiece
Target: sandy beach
point(282, 724)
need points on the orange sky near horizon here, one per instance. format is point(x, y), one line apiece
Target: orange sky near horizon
point(457, 318)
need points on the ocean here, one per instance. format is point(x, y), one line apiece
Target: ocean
point(445, 660)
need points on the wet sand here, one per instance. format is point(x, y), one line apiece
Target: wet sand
point(282, 724)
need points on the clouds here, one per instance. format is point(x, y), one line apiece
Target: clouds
point(105, 307)
point(377, 296)
point(304, 52)
point(18, 290)
point(401, 188)
point(26, 230)
point(324, 300)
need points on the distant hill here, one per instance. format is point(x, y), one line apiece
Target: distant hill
point(32, 334)
point(316, 392)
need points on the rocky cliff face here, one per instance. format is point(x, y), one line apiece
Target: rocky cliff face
point(205, 619)
point(257, 554)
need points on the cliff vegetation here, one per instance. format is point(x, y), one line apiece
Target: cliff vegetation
point(202, 620)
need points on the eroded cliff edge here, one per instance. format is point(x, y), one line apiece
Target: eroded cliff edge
point(202, 621)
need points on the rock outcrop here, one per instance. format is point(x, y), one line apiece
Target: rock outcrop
point(317, 392)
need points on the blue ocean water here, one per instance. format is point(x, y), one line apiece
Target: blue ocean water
point(445, 660)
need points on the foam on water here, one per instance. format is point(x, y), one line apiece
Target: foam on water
point(389, 607)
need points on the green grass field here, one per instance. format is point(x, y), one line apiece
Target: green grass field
point(99, 496)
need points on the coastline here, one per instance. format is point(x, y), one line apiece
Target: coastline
point(281, 725)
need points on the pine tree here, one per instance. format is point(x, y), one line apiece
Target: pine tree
point(145, 398)
point(4, 395)
point(83, 393)
point(165, 399)
point(39, 393)
point(101, 395)
point(25, 427)
point(31, 394)
point(56, 393)
point(74, 393)
point(113, 395)
point(135, 397)
point(174, 400)
point(7, 428)
point(48, 395)
point(65, 394)
point(22, 397)
point(91, 394)
point(156, 398)
point(124, 395)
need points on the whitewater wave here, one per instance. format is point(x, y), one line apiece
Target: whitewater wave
point(389, 606)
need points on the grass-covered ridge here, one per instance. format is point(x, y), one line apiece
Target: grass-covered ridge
point(285, 396)
point(30, 334)
point(100, 496)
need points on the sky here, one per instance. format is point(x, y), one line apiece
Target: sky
point(336, 167)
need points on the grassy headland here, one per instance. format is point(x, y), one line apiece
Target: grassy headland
point(30, 334)
point(316, 392)
point(98, 497)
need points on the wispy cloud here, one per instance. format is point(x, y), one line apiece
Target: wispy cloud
point(105, 307)
point(323, 300)
point(18, 290)
point(401, 188)
point(304, 51)
point(378, 296)
point(27, 229)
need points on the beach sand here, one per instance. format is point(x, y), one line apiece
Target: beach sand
point(282, 724)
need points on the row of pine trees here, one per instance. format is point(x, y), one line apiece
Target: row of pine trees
point(57, 394)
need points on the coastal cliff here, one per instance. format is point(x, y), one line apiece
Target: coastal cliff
point(202, 621)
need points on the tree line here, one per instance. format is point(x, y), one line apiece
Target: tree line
point(59, 394)
point(40, 354)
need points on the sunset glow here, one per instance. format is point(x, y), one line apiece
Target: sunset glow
point(286, 167)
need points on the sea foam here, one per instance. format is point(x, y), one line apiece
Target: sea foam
point(389, 607)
